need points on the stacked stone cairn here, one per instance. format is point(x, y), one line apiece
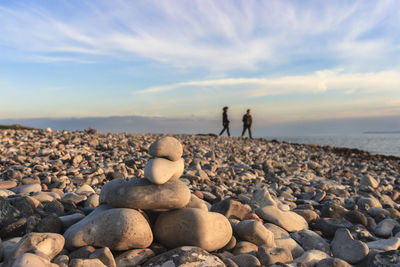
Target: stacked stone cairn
point(134, 212)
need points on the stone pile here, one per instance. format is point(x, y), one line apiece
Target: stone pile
point(68, 199)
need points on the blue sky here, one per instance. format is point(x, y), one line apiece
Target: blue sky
point(286, 60)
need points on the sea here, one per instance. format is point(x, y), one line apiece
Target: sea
point(374, 143)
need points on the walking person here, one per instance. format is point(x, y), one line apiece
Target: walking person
point(225, 121)
point(247, 121)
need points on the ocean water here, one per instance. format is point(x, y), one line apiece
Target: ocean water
point(385, 144)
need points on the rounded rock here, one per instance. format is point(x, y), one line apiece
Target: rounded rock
point(160, 171)
point(193, 227)
point(167, 147)
point(343, 246)
point(118, 229)
point(141, 194)
point(288, 220)
point(254, 232)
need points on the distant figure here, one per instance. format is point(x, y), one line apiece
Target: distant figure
point(247, 120)
point(225, 121)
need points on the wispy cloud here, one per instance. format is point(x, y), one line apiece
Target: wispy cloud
point(216, 35)
point(316, 82)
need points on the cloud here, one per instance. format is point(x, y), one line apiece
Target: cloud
point(215, 35)
point(317, 82)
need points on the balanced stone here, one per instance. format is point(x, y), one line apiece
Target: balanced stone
point(167, 147)
point(159, 170)
point(288, 220)
point(118, 229)
point(139, 193)
point(193, 227)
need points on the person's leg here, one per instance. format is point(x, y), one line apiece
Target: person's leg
point(244, 129)
point(222, 131)
point(251, 137)
point(227, 129)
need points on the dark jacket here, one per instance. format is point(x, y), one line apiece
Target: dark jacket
point(225, 120)
point(247, 120)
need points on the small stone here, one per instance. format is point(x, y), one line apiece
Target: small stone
point(46, 196)
point(332, 262)
point(272, 255)
point(254, 232)
point(195, 227)
point(160, 171)
point(47, 244)
point(141, 194)
point(356, 217)
point(26, 189)
point(246, 260)
point(368, 180)
point(134, 257)
point(6, 193)
point(387, 258)
point(291, 245)
point(231, 244)
point(86, 263)
point(50, 224)
point(329, 226)
point(82, 253)
point(308, 215)
point(288, 220)
point(343, 246)
point(92, 201)
point(185, 256)
point(311, 257)
point(105, 255)
point(244, 247)
point(167, 147)
point(71, 219)
point(29, 259)
point(197, 203)
point(385, 228)
point(309, 240)
point(231, 208)
point(263, 198)
point(230, 263)
point(118, 229)
point(278, 232)
point(85, 190)
point(71, 197)
point(7, 184)
point(385, 244)
point(61, 260)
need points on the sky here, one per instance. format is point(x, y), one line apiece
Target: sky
point(288, 61)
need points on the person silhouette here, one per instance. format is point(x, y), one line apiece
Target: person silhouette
point(225, 121)
point(247, 121)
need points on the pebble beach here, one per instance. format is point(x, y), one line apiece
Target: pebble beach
point(86, 198)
